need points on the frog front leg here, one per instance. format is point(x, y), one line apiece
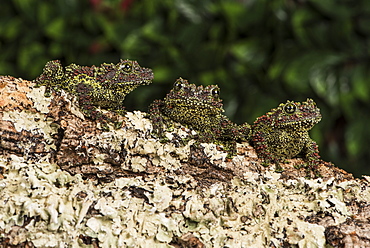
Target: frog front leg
point(266, 151)
point(312, 157)
point(158, 119)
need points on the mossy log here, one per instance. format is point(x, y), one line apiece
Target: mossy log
point(67, 182)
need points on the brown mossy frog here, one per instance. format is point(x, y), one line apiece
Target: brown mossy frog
point(198, 108)
point(282, 134)
point(103, 86)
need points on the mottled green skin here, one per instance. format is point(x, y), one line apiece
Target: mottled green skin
point(198, 108)
point(103, 86)
point(283, 133)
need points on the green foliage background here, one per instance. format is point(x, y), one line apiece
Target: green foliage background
point(260, 53)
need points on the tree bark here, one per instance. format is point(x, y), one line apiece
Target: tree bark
point(67, 182)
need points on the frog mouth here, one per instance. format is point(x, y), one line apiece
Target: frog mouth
point(303, 124)
point(134, 82)
point(198, 104)
point(144, 76)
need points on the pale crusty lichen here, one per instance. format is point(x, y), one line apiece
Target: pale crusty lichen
point(161, 204)
point(25, 120)
point(40, 102)
point(255, 211)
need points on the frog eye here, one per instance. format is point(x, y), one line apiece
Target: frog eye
point(178, 85)
point(290, 108)
point(126, 67)
point(215, 92)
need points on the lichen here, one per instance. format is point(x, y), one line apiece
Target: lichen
point(251, 214)
point(40, 103)
point(160, 194)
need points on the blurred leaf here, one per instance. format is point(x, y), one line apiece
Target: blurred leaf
point(27, 54)
point(360, 83)
point(322, 77)
point(300, 18)
point(5, 68)
point(354, 133)
point(234, 12)
point(26, 8)
point(153, 32)
point(298, 71)
point(248, 51)
point(161, 74)
point(189, 10)
point(11, 29)
point(44, 13)
point(56, 28)
point(332, 8)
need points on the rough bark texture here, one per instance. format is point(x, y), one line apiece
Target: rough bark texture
point(65, 182)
